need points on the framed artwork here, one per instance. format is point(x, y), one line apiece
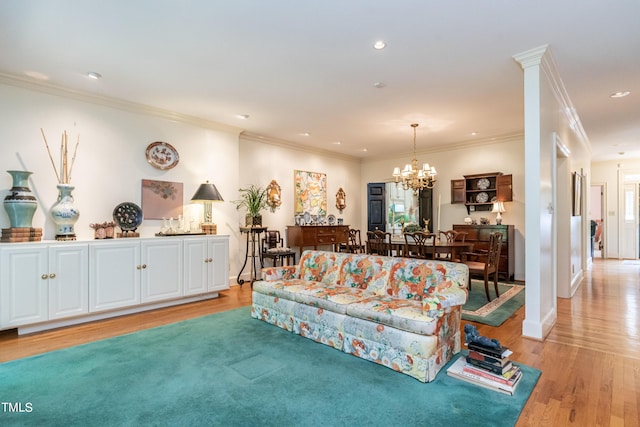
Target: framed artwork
point(576, 182)
point(161, 199)
point(310, 192)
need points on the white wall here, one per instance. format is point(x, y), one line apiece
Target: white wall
point(111, 161)
point(506, 156)
point(262, 160)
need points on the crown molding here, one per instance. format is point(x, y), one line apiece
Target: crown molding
point(52, 89)
point(249, 136)
point(461, 145)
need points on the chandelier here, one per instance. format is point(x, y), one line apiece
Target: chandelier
point(412, 177)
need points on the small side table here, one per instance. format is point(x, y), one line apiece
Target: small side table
point(252, 251)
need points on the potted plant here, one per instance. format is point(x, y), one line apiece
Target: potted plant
point(254, 200)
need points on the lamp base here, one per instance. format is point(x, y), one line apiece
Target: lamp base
point(209, 228)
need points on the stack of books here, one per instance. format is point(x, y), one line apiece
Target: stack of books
point(26, 234)
point(487, 367)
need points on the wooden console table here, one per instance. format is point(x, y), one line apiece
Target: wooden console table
point(316, 235)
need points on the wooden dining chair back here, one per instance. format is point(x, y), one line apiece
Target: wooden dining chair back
point(354, 242)
point(420, 244)
point(485, 263)
point(449, 237)
point(379, 242)
point(273, 249)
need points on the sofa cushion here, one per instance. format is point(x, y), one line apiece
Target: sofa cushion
point(400, 313)
point(366, 272)
point(319, 266)
point(331, 297)
point(286, 289)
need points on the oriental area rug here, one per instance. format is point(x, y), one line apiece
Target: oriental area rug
point(496, 311)
point(228, 369)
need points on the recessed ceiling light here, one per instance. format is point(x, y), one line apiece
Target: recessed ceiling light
point(379, 85)
point(474, 133)
point(93, 75)
point(243, 116)
point(305, 134)
point(620, 94)
point(379, 45)
point(337, 142)
point(364, 150)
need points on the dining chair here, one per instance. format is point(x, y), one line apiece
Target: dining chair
point(354, 242)
point(450, 236)
point(485, 263)
point(420, 244)
point(273, 248)
point(379, 242)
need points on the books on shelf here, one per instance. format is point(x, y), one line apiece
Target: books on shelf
point(462, 370)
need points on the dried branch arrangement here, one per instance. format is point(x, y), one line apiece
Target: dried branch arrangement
point(64, 177)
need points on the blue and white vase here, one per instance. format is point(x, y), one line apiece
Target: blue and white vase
point(20, 203)
point(64, 213)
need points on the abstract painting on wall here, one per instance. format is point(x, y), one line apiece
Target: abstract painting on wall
point(310, 192)
point(161, 199)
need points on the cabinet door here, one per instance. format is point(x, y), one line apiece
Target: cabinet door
point(458, 193)
point(161, 270)
point(196, 265)
point(219, 265)
point(504, 188)
point(23, 286)
point(68, 280)
point(114, 275)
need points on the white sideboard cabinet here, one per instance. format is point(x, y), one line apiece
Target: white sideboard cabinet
point(41, 282)
point(204, 262)
point(46, 285)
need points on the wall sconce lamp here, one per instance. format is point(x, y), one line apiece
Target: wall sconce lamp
point(341, 200)
point(498, 207)
point(206, 194)
point(274, 195)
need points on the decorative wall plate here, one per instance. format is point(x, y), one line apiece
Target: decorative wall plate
point(128, 216)
point(162, 155)
point(307, 218)
point(331, 219)
point(483, 183)
point(482, 197)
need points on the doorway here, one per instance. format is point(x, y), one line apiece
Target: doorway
point(597, 220)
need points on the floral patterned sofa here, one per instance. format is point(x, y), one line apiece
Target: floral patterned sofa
point(402, 313)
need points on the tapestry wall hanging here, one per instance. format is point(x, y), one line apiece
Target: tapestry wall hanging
point(161, 199)
point(310, 192)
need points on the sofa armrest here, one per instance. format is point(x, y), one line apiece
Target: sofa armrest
point(449, 293)
point(279, 273)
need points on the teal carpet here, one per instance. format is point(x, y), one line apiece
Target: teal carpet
point(494, 313)
point(230, 370)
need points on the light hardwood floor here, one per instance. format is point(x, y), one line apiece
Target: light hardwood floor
point(590, 361)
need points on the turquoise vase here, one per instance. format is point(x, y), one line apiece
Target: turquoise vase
point(64, 213)
point(20, 203)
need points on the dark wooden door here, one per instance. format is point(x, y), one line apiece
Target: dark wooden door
point(425, 208)
point(376, 209)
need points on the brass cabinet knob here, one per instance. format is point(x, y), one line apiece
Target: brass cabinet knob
point(45, 276)
point(139, 267)
point(144, 265)
point(52, 276)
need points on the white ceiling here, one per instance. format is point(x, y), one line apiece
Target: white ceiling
point(298, 66)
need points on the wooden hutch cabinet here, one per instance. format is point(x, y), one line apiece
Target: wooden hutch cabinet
point(479, 236)
point(478, 192)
